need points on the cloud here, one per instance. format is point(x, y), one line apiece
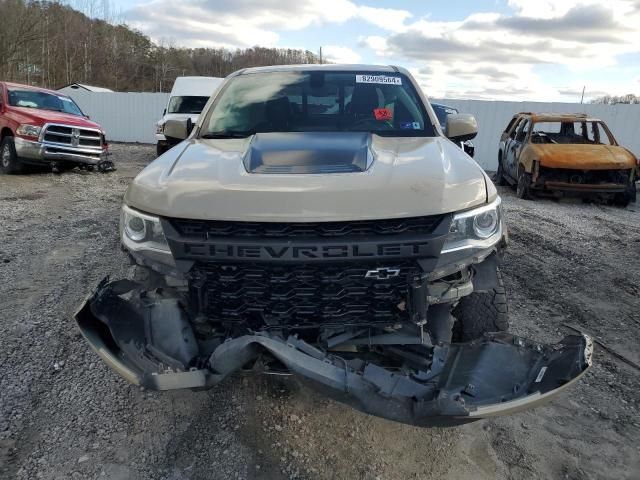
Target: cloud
point(488, 71)
point(244, 23)
point(385, 18)
point(502, 52)
point(577, 92)
point(337, 54)
point(595, 24)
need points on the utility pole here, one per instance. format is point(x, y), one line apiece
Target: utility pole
point(582, 98)
point(320, 55)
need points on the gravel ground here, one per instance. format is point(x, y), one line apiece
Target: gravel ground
point(63, 414)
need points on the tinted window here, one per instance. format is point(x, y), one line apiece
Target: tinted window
point(384, 103)
point(43, 101)
point(187, 104)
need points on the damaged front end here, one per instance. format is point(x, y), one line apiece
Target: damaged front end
point(150, 338)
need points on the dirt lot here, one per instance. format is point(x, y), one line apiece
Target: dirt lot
point(63, 414)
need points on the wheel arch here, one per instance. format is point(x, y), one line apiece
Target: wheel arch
point(6, 132)
point(525, 160)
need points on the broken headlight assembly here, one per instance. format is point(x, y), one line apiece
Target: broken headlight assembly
point(477, 228)
point(142, 232)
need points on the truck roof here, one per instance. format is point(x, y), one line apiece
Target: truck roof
point(11, 85)
point(324, 66)
point(195, 86)
point(559, 117)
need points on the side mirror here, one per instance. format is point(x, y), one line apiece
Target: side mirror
point(178, 129)
point(164, 112)
point(461, 127)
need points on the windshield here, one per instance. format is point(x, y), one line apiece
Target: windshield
point(576, 132)
point(318, 101)
point(187, 104)
point(442, 112)
point(43, 101)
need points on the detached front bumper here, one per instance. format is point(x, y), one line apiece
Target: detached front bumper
point(42, 152)
point(146, 338)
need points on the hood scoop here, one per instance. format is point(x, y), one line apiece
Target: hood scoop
point(308, 153)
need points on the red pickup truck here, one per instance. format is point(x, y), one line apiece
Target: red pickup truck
point(44, 127)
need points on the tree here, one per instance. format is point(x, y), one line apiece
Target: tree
point(629, 98)
point(50, 44)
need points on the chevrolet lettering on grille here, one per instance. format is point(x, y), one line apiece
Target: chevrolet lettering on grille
point(303, 252)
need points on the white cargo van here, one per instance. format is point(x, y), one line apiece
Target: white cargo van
point(187, 99)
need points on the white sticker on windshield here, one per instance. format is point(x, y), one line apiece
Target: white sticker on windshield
point(383, 79)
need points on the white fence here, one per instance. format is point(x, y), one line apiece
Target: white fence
point(127, 117)
point(131, 117)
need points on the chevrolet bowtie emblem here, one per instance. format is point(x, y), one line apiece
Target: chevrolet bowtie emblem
point(383, 273)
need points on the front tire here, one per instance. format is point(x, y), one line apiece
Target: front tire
point(523, 189)
point(481, 312)
point(624, 199)
point(500, 180)
point(9, 163)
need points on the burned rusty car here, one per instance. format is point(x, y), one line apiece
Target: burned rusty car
point(565, 153)
point(317, 221)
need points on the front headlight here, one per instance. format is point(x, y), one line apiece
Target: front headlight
point(477, 228)
point(25, 130)
point(159, 127)
point(140, 231)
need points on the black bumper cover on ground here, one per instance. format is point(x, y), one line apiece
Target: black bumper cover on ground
point(145, 336)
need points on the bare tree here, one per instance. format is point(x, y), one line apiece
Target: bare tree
point(629, 98)
point(49, 43)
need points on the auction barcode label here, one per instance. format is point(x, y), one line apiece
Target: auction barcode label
point(378, 79)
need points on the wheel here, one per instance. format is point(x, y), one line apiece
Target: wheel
point(500, 180)
point(9, 162)
point(480, 313)
point(631, 192)
point(624, 199)
point(161, 148)
point(523, 190)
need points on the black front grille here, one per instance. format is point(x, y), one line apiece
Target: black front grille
point(304, 274)
point(206, 228)
point(302, 295)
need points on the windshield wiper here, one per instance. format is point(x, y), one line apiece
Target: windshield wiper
point(227, 134)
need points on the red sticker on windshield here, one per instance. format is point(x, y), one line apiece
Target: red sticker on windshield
point(383, 114)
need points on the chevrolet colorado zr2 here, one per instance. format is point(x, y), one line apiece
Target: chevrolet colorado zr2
point(317, 220)
point(44, 128)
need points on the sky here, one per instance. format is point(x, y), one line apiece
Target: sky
point(544, 50)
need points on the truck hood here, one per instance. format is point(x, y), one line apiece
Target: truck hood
point(583, 157)
point(406, 177)
point(40, 117)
